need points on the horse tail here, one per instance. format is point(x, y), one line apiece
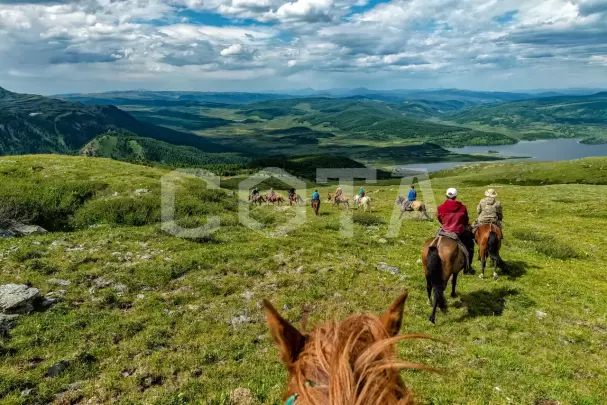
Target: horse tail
point(434, 266)
point(493, 247)
point(434, 274)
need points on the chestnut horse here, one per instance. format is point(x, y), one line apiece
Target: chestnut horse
point(340, 200)
point(489, 240)
point(441, 259)
point(344, 363)
point(257, 198)
point(276, 198)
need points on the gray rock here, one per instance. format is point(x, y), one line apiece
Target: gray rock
point(58, 281)
point(247, 295)
point(242, 396)
point(120, 288)
point(25, 230)
point(142, 191)
point(48, 302)
point(57, 369)
point(26, 392)
point(7, 322)
point(540, 314)
point(390, 269)
point(7, 233)
point(382, 240)
point(17, 298)
point(240, 320)
point(101, 282)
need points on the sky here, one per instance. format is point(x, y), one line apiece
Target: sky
point(50, 47)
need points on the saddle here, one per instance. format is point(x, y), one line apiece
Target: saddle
point(444, 234)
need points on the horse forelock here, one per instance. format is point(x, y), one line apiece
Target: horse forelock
point(350, 363)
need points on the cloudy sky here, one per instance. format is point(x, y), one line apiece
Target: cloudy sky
point(50, 46)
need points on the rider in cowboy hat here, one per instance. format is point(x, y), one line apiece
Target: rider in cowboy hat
point(489, 210)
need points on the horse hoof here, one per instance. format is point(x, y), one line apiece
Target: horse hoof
point(431, 319)
point(481, 276)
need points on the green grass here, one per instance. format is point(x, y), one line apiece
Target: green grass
point(173, 335)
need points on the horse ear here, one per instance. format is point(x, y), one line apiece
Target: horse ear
point(392, 319)
point(288, 339)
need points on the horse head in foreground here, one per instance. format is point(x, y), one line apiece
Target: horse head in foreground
point(344, 363)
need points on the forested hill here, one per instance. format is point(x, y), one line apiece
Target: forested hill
point(36, 124)
point(562, 116)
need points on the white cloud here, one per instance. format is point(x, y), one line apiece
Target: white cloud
point(235, 49)
point(312, 41)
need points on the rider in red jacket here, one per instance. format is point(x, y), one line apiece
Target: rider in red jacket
point(453, 217)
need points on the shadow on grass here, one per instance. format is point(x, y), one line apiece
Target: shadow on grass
point(515, 269)
point(486, 303)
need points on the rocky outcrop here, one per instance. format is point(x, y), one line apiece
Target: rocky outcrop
point(17, 298)
point(18, 229)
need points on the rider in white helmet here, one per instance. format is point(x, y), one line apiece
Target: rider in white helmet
point(453, 216)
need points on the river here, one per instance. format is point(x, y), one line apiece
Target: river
point(553, 149)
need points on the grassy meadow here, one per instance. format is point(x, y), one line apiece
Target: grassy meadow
point(151, 318)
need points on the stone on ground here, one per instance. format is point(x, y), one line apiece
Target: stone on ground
point(17, 298)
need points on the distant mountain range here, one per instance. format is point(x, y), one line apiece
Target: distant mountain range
point(36, 124)
point(442, 100)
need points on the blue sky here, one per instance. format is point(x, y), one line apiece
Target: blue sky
point(51, 46)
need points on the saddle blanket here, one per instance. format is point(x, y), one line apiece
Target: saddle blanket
point(462, 247)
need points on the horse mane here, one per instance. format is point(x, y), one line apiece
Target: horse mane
point(351, 363)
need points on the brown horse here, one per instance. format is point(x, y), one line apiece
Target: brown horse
point(344, 363)
point(441, 258)
point(276, 198)
point(339, 201)
point(257, 199)
point(415, 206)
point(316, 206)
point(295, 198)
point(489, 240)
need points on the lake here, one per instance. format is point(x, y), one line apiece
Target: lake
point(553, 149)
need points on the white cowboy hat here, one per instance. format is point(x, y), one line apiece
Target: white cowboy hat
point(451, 192)
point(491, 193)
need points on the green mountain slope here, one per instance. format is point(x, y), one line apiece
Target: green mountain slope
point(150, 151)
point(375, 121)
point(36, 124)
point(144, 317)
point(563, 116)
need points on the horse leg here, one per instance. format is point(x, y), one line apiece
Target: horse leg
point(483, 256)
point(453, 283)
point(432, 317)
point(429, 289)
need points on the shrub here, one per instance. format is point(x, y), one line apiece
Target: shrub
point(48, 203)
point(557, 250)
point(366, 219)
point(119, 211)
point(529, 235)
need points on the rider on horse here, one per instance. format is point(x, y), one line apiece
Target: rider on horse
point(410, 198)
point(361, 192)
point(489, 210)
point(292, 194)
point(453, 217)
point(338, 191)
point(315, 201)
